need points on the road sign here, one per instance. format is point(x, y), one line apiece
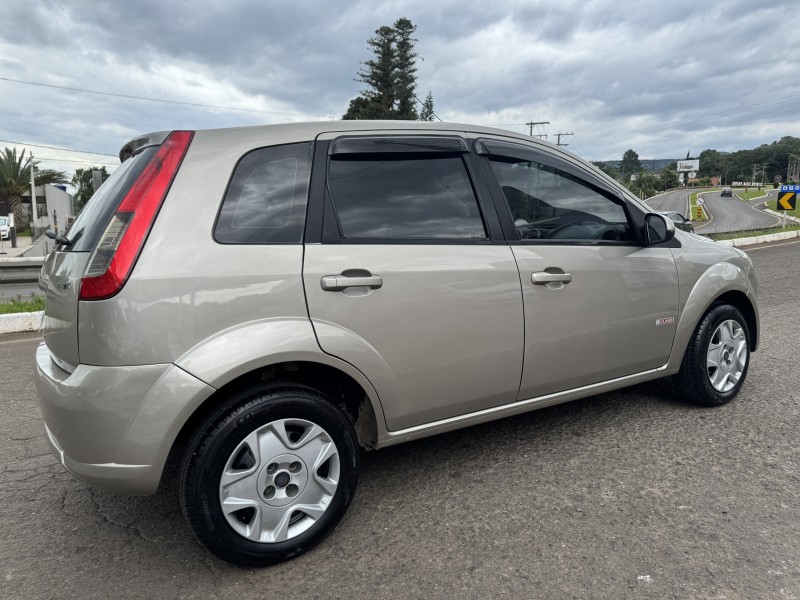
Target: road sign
point(778, 178)
point(787, 198)
point(700, 201)
point(698, 213)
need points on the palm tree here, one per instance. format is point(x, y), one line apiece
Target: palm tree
point(15, 180)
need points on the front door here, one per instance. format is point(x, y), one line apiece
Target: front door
point(599, 305)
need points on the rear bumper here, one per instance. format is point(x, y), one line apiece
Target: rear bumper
point(113, 427)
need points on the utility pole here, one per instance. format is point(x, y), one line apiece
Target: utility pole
point(532, 123)
point(33, 201)
point(753, 178)
point(559, 136)
point(793, 170)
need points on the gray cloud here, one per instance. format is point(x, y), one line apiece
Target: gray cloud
point(653, 76)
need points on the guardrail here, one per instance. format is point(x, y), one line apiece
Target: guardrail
point(20, 270)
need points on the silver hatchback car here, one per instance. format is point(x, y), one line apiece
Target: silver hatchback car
point(258, 305)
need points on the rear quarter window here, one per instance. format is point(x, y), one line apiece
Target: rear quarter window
point(266, 199)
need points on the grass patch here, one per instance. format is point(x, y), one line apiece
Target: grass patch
point(693, 206)
point(20, 305)
point(751, 194)
point(791, 213)
point(732, 235)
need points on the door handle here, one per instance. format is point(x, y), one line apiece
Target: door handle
point(337, 283)
point(543, 278)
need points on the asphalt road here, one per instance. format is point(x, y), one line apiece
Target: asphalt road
point(630, 494)
point(670, 201)
point(731, 214)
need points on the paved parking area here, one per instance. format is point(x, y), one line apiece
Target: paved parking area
point(623, 495)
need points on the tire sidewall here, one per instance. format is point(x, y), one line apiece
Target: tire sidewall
point(214, 446)
point(715, 317)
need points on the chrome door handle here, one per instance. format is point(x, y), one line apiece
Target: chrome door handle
point(337, 283)
point(543, 278)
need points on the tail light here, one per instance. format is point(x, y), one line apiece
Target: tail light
point(112, 261)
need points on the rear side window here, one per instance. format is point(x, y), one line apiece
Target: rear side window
point(403, 197)
point(88, 228)
point(266, 199)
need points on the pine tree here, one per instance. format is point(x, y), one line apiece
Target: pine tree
point(427, 114)
point(390, 75)
point(405, 78)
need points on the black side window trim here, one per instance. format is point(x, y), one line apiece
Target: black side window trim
point(321, 206)
point(488, 147)
point(397, 144)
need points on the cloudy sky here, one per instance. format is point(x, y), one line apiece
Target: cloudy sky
point(661, 77)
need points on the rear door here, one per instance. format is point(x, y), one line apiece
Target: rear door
point(407, 276)
point(599, 304)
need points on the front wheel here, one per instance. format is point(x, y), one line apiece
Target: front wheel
point(269, 474)
point(715, 365)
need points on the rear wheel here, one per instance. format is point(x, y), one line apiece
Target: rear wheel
point(715, 365)
point(269, 475)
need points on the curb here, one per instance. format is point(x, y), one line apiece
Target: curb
point(19, 322)
point(760, 239)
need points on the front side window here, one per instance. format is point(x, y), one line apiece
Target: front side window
point(404, 197)
point(266, 199)
point(549, 204)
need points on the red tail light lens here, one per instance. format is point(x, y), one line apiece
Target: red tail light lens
point(112, 261)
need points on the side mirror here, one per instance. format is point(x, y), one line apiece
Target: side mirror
point(658, 229)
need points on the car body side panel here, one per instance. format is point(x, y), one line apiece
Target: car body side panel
point(186, 287)
point(615, 318)
point(442, 336)
point(702, 280)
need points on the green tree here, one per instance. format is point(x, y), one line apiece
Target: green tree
point(630, 164)
point(607, 169)
point(427, 114)
point(84, 184)
point(644, 185)
point(405, 76)
point(15, 180)
point(390, 75)
point(669, 179)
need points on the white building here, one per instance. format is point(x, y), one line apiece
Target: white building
point(53, 206)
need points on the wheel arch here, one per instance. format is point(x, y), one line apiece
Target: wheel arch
point(341, 388)
point(721, 283)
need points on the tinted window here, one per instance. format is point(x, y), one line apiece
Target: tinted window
point(93, 219)
point(404, 198)
point(266, 200)
point(547, 203)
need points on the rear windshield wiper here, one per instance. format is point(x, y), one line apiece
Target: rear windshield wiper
point(59, 238)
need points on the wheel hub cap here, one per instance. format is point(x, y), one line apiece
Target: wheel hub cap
point(727, 356)
point(279, 480)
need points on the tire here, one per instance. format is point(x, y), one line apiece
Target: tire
point(722, 339)
point(269, 474)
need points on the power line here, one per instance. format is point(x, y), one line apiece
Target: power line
point(58, 148)
point(76, 162)
point(423, 104)
point(163, 100)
